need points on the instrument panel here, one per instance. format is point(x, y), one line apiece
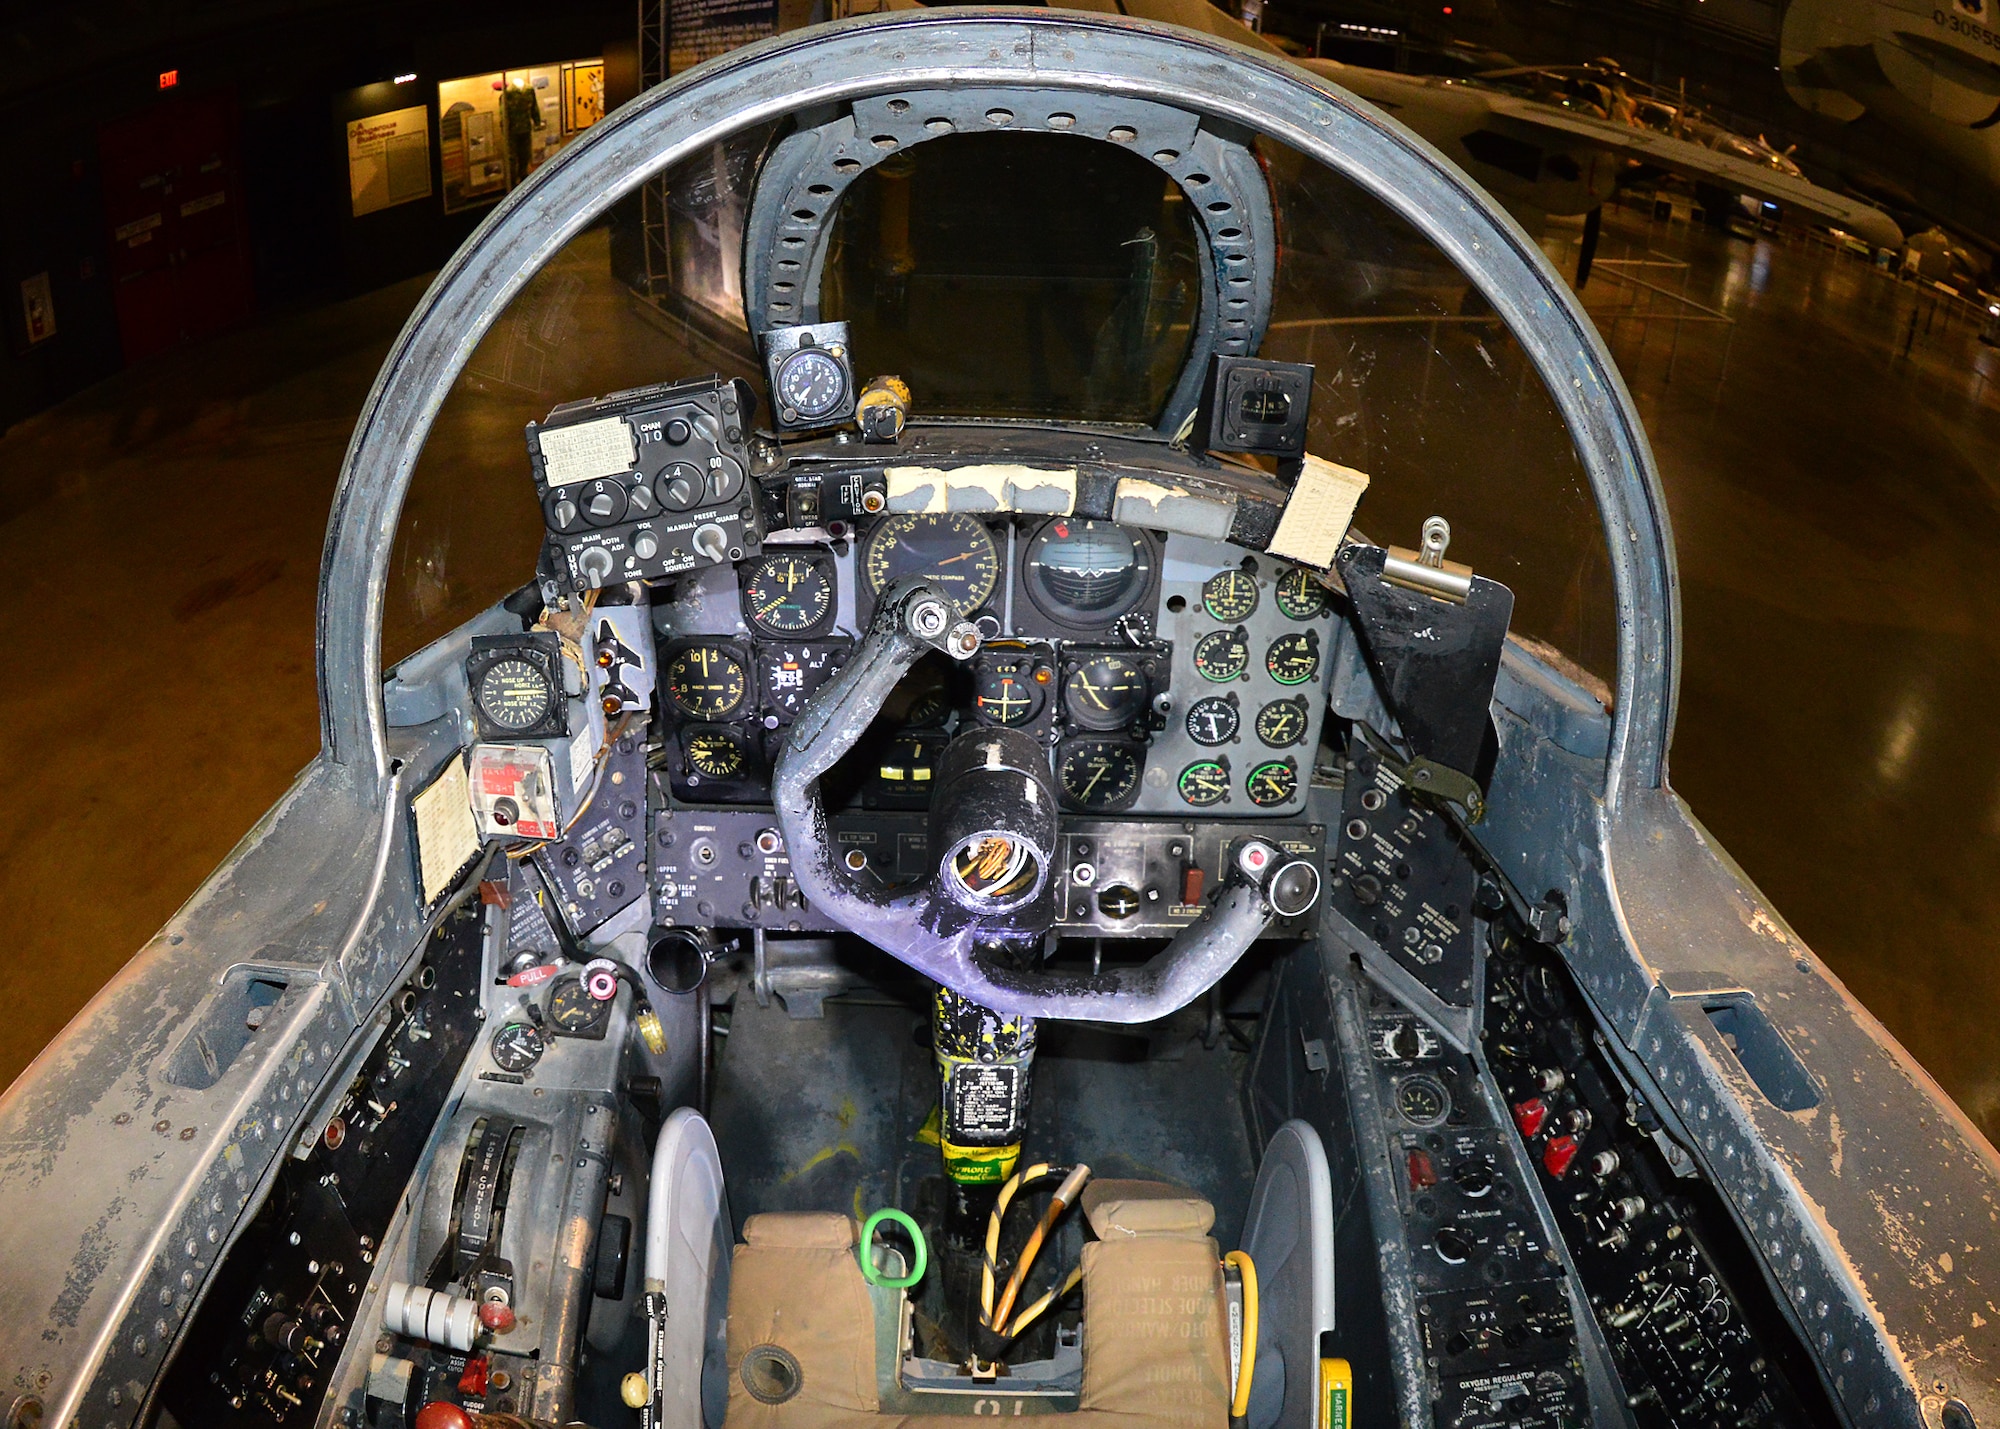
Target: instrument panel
point(1164, 674)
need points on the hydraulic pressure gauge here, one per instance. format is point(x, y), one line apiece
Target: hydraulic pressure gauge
point(1230, 595)
point(1222, 654)
point(1098, 773)
point(1282, 723)
point(1272, 783)
point(1204, 782)
point(1104, 692)
point(1293, 659)
point(1214, 720)
point(575, 1012)
point(1301, 596)
point(517, 690)
point(517, 1047)
point(789, 594)
point(706, 682)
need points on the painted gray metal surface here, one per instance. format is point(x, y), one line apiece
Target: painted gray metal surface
point(118, 1191)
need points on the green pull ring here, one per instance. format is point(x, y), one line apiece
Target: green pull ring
point(868, 1271)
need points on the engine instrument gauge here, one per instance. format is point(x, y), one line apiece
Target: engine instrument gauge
point(1214, 720)
point(1272, 783)
point(811, 383)
point(1098, 773)
point(575, 1012)
point(517, 1047)
point(1422, 1100)
point(1222, 655)
point(714, 753)
point(1086, 572)
point(514, 695)
point(792, 674)
point(954, 552)
point(789, 594)
point(1282, 723)
point(1230, 595)
point(1293, 659)
point(1010, 689)
point(1104, 692)
point(1204, 782)
point(706, 682)
point(1300, 595)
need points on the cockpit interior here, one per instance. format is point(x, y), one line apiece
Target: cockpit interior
point(998, 857)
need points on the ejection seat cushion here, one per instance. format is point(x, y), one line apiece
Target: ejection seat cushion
point(1156, 1348)
point(1155, 1351)
point(795, 1284)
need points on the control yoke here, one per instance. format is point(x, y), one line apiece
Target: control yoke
point(977, 926)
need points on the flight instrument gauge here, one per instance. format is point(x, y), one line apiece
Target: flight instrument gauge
point(1204, 782)
point(789, 594)
point(1104, 692)
point(954, 552)
point(517, 1047)
point(1214, 720)
point(1222, 654)
point(1098, 773)
point(1293, 659)
point(811, 383)
point(792, 674)
point(517, 690)
point(1301, 596)
point(1230, 595)
point(1010, 689)
point(706, 682)
point(1086, 572)
point(575, 1012)
point(1282, 723)
point(1272, 783)
point(714, 753)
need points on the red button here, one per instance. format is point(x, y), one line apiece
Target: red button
point(1529, 1115)
point(440, 1415)
point(1558, 1154)
point(473, 1381)
point(497, 1316)
point(1423, 1175)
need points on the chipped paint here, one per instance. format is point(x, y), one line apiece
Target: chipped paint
point(995, 486)
point(1139, 502)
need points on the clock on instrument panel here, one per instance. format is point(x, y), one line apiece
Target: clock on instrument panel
point(952, 551)
point(789, 593)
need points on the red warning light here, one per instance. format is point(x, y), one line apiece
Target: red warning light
point(169, 78)
point(1447, 9)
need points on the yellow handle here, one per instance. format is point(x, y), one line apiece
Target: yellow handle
point(1246, 1369)
point(1336, 1393)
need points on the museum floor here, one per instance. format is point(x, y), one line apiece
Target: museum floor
point(1833, 474)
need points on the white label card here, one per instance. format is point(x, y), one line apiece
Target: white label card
point(447, 838)
point(1319, 513)
point(586, 451)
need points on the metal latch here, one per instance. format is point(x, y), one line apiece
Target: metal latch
point(1427, 570)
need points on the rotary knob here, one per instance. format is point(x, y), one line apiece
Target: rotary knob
point(711, 541)
point(645, 545)
point(680, 487)
point(594, 564)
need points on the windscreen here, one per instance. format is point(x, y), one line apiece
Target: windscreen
point(1039, 277)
